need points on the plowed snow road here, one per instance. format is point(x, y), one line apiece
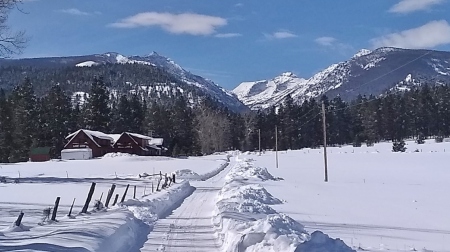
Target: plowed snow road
point(189, 228)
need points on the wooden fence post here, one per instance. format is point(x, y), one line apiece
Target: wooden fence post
point(71, 207)
point(110, 194)
point(89, 198)
point(19, 219)
point(125, 194)
point(159, 182)
point(134, 194)
point(115, 199)
point(55, 208)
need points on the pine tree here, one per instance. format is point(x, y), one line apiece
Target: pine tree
point(6, 128)
point(23, 103)
point(137, 115)
point(98, 112)
point(123, 117)
point(57, 118)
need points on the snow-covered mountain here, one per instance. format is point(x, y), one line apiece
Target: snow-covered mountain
point(208, 87)
point(261, 93)
point(367, 72)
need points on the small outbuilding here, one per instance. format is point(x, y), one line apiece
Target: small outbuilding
point(76, 154)
point(40, 154)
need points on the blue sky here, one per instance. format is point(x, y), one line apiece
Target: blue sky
point(233, 41)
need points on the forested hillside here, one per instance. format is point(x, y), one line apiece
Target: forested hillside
point(28, 120)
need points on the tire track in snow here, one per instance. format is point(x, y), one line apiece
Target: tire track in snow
point(190, 226)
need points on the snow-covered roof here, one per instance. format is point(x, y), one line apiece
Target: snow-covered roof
point(115, 137)
point(139, 136)
point(92, 133)
point(156, 141)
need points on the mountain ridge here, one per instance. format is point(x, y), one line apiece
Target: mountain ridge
point(153, 59)
point(365, 73)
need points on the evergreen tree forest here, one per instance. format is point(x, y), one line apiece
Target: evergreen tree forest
point(202, 127)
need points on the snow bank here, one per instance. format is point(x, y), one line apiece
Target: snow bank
point(14, 228)
point(245, 221)
point(320, 242)
point(276, 232)
point(247, 170)
point(112, 231)
point(152, 207)
point(188, 174)
point(118, 154)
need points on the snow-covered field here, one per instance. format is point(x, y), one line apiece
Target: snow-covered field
point(374, 200)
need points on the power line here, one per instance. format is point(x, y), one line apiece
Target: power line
point(395, 69)
point(375, 98)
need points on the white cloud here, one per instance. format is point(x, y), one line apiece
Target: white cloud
point(430, 35)
point(325, 41)
point(227, 35)
point(189, 23)
point(75, 11)
point(281, 34)
point(407, 6)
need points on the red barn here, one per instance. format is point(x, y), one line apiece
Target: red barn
point(99, 142)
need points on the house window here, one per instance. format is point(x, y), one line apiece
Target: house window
point(78, 145)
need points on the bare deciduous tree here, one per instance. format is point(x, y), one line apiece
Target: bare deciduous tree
point(213, 130)
point(10, 42)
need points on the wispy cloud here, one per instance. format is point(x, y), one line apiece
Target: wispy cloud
point(187, 23)
point(75, 12)
point(430, 35)
point(227, 35)
point(407, 6)
point(239, 5)
point(281, 34)
point(325, 41)
point(333, 44)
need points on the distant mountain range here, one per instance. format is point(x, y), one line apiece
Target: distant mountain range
point(179, 79)
point(160, 78)
point(367, 72)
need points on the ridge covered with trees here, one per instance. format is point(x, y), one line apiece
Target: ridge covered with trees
point(28, 121)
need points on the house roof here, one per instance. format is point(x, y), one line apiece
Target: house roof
point(156, 141)
point(91, 134)
point(153, 142)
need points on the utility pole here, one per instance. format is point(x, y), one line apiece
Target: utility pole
point(259, 141)
point(324, 140)
point(276, 145)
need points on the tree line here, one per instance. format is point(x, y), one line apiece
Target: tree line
point(203, 127)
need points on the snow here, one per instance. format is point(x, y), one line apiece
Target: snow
point(361, 53)
point(375, 200)
point(79, 97)
point(265, 93)
point(120, 228)
point(89, 63)
point(408, 78)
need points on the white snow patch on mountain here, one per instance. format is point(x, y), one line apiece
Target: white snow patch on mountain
point(87, 64)
point(362, 52)
point(255, 94)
